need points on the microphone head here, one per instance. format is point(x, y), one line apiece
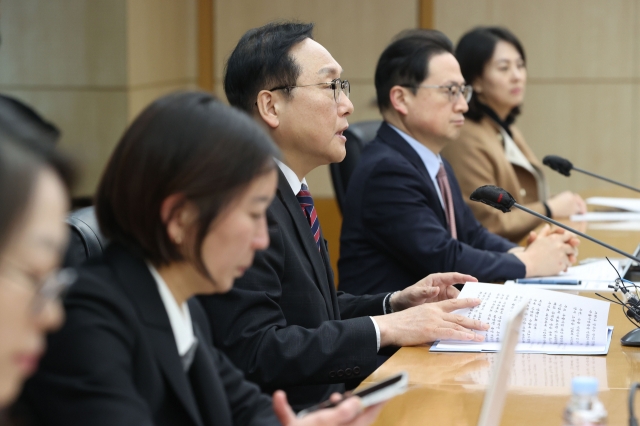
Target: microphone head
point(493, 196)
point(559, 164)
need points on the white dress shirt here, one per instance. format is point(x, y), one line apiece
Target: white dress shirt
point(179, 316)
point(431, 160)
point(296, 185)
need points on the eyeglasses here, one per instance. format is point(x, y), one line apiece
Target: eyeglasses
point(47, 289)
point(455, 90)
point(338, 86)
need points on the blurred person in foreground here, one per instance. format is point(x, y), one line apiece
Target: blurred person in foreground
point(490, 149)
point(183, 202)
point(34, 199)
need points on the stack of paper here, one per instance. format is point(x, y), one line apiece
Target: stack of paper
point(555, 323)
point(627, 204)
point(593, 276)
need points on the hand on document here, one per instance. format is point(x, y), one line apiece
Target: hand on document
point(548, 252)
point(432, 288)
point(429, 322)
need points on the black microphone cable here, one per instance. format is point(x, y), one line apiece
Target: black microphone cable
point(632, 394)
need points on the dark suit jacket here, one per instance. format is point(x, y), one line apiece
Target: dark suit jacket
point(283, 322)
point(115, 361)
point(395, 231)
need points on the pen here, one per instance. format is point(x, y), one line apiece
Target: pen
point(548, 281)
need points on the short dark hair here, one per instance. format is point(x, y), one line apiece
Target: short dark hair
point(20, 162)
point(21, 122)
point(261, 61)
point(183, 143)
point(405, 62)
point(475, 49)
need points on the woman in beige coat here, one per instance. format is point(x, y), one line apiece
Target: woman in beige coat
point(490, 150)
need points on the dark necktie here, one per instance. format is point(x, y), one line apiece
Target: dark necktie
point(306, 202)
point(445, 190)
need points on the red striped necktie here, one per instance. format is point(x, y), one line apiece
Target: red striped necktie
point(445, 190)
point(306, 202)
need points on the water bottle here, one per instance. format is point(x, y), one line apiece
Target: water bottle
point(584, 408)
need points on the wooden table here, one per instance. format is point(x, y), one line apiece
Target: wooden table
point(448, 388)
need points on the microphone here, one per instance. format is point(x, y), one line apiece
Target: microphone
point(500, 199)
point(564, 167)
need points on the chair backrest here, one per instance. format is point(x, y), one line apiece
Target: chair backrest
point(86, 240)
point(358, 135)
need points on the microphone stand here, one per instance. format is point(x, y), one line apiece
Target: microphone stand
point(606, 179)
point(583, 235)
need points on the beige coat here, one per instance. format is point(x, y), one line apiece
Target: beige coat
point(478, 158)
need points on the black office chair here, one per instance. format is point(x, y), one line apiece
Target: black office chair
point(86, 240)
point(358, 135)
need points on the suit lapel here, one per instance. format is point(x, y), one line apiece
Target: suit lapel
point(308, 243)
point(390, 137)
point(137, 282)
point(208, 389)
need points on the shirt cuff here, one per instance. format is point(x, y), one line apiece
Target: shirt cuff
point(375, 325)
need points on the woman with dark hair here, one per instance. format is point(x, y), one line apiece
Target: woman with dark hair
point(34, 198)
point(491, 150)
point(183, 202)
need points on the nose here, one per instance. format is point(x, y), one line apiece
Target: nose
point(345, 107)
point(261, 238)
point(461, 105)
point(518, 73)
point(50, 317)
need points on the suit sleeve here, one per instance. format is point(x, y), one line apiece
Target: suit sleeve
point(401, 223)
point(253, 329)
point(86, 378)
point(474, 166)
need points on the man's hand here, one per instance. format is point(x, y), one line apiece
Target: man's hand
point(348, 412)
point(432, 288)
point(549, 252)
point(429, 322)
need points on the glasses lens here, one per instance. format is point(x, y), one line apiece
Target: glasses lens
point(467, 91)
point(346, 87)
point(53, 288)
point(454, 91)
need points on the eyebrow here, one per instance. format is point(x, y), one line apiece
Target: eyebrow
point(261, 199)
point(447, 83)
point(330, 70)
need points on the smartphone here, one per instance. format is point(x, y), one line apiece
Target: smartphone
point(371, 395)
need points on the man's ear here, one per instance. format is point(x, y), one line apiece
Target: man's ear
point(268, 105)
point(399, 96)
point(178, 215)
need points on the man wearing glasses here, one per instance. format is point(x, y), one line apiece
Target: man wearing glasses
point(283, 323)
point(404, 215)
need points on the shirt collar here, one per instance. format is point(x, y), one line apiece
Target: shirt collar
point(291, 176)
point(431, 160)
point(179, 316)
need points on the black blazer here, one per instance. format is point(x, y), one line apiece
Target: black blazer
point(395, 230)
point(283, 322)
point(115, 361)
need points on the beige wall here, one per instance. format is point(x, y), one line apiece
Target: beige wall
point(583, 93)
point(91, 65)
point(354, 31)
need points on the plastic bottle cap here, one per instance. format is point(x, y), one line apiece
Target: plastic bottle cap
point(584, 386)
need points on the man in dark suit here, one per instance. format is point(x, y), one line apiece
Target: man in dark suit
point(404, 215)
point(283, 323)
